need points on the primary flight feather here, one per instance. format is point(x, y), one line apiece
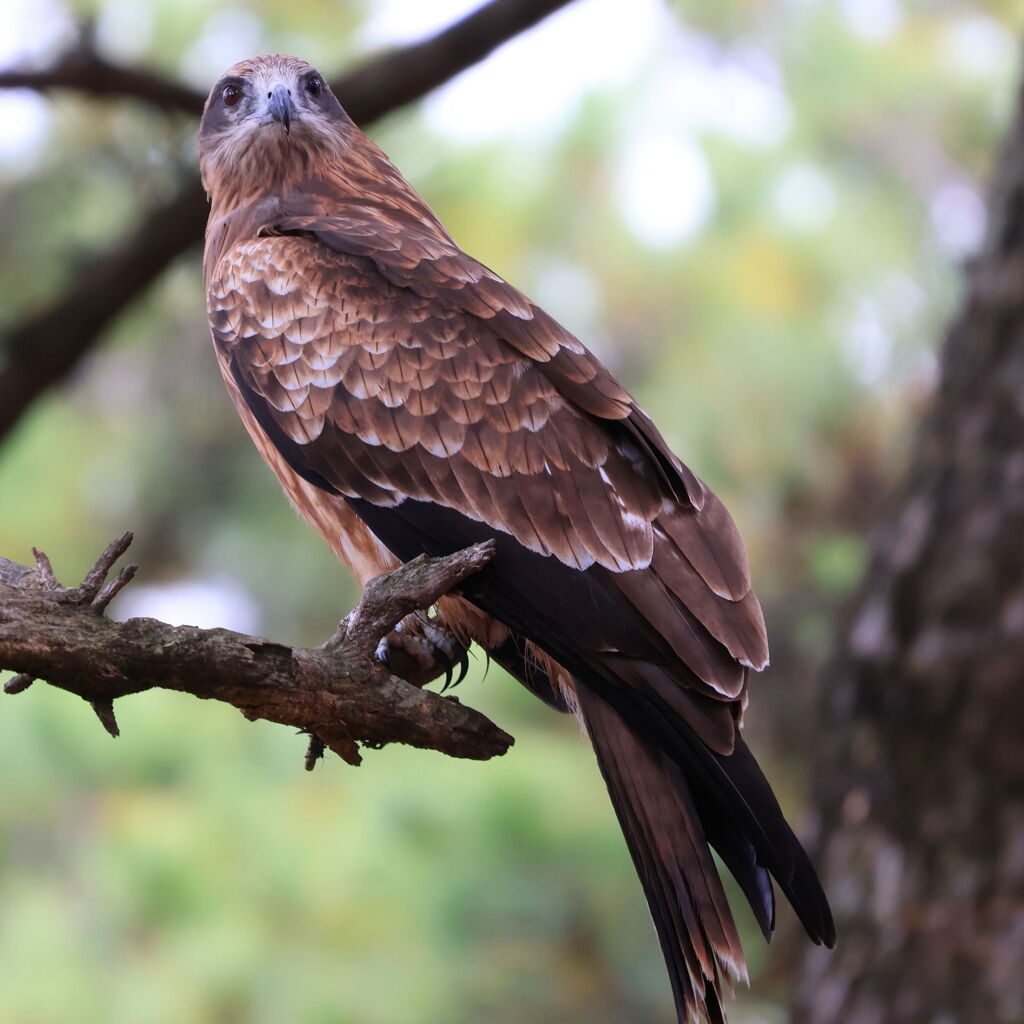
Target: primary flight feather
point(409, 401)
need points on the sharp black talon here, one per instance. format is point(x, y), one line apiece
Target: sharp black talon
point(463, 666)
point(441, 657)
point(463, 663)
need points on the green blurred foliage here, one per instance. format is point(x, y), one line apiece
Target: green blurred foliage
point(785, 342)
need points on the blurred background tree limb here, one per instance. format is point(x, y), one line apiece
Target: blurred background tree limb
point(82, 68)
point(920, 786)
point(46, 347)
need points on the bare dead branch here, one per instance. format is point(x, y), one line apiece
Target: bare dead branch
point(339, 693)
point(47, 346)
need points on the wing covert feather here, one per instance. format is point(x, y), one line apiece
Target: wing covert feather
point(401, 369)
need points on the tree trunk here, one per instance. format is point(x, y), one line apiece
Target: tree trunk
point(920, 780)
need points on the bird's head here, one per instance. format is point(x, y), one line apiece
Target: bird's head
point(269, 120)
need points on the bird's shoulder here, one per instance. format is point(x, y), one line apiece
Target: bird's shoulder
point(397, 269)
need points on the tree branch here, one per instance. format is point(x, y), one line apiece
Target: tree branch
point(82, 68)
point(403, 75)
point(46, 347)
point(389, 81)
point(338, 693)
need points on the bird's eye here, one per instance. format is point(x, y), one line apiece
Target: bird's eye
point(315, 86)
point(231, 94)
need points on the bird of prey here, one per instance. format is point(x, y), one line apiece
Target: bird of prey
point(411, 401)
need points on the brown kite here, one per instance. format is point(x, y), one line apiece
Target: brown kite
point(410, 400)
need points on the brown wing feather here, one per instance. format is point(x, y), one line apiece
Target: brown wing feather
point(407, 370)
point(482, 407)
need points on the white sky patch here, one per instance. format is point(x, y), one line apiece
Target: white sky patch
point(873, 19)
point(735, 92)
point(405, 21)
point(804, 198)
point(979, 45)
point(26, 120)
point(867, 345)
point(571, 295)
point(958, 217)
point(227, 37)
point(666, 188)
point(206, 603)
point(124, 29)
point(535, 82)
point(30, 32)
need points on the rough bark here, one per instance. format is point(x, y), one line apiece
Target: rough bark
point(340, 693)
point(920, 785)
point(42, 350)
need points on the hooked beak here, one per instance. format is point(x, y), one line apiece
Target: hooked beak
point(279, 107)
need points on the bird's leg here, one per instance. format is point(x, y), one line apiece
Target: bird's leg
point(422, 648)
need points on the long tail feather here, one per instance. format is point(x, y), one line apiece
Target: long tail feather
point(665, 837)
